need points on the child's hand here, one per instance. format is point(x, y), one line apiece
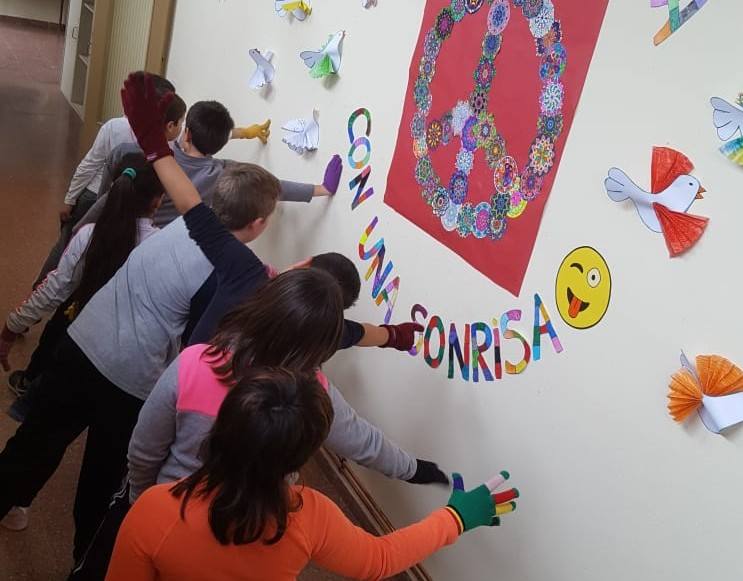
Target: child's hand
point(260, 131)
point(65, 213)
point(480, 507)
point(427, 472)
point(145, 111)
point(401, 337)
point(332, 175)
point(7, 338)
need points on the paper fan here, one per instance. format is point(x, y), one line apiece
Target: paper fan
point(733, 150)
point(684, 396)
point(680, 230)
point(718, 375)
point(667, 165)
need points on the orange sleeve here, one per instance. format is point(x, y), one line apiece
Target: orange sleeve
point(139, 538)
point(340, 546)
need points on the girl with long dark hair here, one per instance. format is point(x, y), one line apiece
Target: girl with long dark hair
point(92, 257)
point(237, 516)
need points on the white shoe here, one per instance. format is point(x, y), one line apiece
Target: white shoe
point(16, 519)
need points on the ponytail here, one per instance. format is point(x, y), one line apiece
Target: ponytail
point(131, 197)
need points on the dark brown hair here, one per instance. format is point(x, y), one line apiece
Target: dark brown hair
point(116, 230)
point(344, 271)
point(294, 321)
point(210, 125)
point(244, 193)
point(268, 426)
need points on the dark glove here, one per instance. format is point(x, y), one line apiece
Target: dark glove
point(428, 473)
point(401, 337)
point(7, 338)
point(145, 110)
point(480, 507)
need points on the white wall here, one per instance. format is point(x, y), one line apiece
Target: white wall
point(44, 10)
point(612, 488)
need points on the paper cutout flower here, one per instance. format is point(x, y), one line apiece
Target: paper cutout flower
point(485, 130)
point(427, 194)
point(478, 101)
point(484, 74)
point(423, 170)
point(458, 187)
point(473, 6)
point(461, 112)
point(541, 155)
point(444, 24)
point(549, 125)
point(544, 44)
point(422, 95)
point(531, 184)
point(427, 69)
point(419, 147)
point(495, 150)
point(449, 219)
point(491, 45)
point(505, 174)
point(458, 9)
point(465, 160)
point(469, 140)
point(498, 16)
point(418, 125)
point(542, 22)
point(497, 227)
point(433, 134)
point(550, 101)
point(518, 205)
point(447, 132)
point(431, 45)
point(532, 7)
point(481, 226)
point(499, 204)
point(465, 220)
point(440, 202)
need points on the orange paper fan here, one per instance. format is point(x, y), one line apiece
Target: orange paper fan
point(684, 396)
point(718, 376)
point(681, 231)
point(666, 166)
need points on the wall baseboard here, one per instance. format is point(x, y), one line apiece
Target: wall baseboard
point(368, 511)
point(31, 22)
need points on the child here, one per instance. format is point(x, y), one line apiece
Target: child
point(85, 185)
point(208, 128)
point(94, 254)
point(237, 516)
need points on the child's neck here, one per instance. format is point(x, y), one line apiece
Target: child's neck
point(191, 151)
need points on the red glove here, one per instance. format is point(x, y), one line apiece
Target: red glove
point(145, 111)
point(402, 336)
point(7, 338)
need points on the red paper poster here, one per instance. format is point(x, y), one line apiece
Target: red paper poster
point(492, 92)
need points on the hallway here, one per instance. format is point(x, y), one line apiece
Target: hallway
point(38, 153)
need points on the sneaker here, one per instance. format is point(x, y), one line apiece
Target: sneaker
point(17, 382)
point(16, 519)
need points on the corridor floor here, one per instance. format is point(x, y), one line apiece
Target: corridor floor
point(38, 152)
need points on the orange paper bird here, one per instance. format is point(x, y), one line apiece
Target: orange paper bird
point(664, 208)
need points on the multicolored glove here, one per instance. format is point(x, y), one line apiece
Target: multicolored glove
point(145, 111)
point(401, 336)
point(428, 473)
point(260, 131)
point(333, 174)
point(480, 507)
point(7, 338)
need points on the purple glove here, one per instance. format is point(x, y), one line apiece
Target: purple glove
point(145, 111)
point(333, 174)
point(402, 336)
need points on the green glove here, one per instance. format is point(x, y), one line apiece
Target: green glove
point(480, 507)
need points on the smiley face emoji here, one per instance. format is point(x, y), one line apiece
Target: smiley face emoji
point(583, 288)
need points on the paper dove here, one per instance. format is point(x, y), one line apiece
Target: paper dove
point(728, 120)
point(301, 9)
point(327, 60)
point(714, 390)
point(368, 3)
point(264, 70)
point(664, 208)
point(302, 135)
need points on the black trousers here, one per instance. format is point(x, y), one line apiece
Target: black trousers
point(94, 563)
point(75, 397)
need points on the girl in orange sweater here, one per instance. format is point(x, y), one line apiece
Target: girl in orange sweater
point(237, 517)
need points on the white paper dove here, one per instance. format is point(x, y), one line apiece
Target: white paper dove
point(728, 120)
point(299, 8)
point(264, 70)
point(302, 135)
point(327, 60)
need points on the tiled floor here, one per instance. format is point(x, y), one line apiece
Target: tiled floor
point(38, 151)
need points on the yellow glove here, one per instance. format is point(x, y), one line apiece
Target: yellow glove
point(261, 131)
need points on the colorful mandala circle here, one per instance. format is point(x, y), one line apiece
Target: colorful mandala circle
point(470, 120)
